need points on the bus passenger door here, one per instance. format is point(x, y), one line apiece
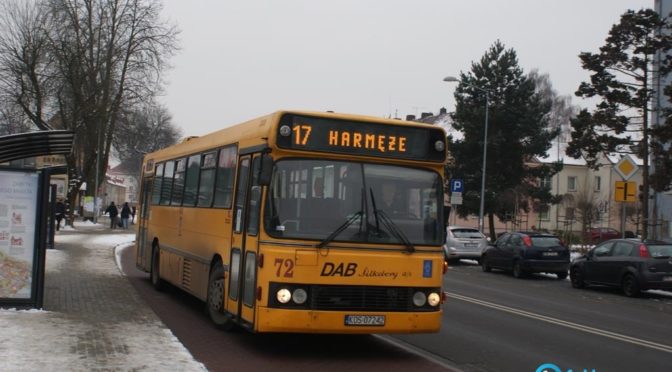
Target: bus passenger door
point(144, 253)
point(241, 297)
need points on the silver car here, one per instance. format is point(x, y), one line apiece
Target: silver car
point(464, 242)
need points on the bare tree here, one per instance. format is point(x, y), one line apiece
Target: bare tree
point(585, 205)
point(143, 130)
point(109, 54)
point(25, 61)
point(13, 120)
point(562, 109)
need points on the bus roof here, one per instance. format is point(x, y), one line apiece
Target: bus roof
point(257, 131)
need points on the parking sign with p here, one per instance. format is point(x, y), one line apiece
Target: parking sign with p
point(456, 185)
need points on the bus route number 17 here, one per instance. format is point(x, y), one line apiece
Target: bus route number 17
point(301, 134)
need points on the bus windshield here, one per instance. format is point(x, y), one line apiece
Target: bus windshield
point(310, 199)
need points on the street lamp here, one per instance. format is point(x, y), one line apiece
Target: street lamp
point(452, 79)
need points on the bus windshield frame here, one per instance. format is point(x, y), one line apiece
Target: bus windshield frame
point(309, 199)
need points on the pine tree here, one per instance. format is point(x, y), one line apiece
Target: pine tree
point(518, 131)
point(621, 76)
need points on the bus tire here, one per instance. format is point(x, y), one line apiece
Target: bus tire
point(154, 274)
point(215, 300)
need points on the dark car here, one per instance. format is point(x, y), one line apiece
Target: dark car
point(632, 264)
point(527, 252)
point(600, 234)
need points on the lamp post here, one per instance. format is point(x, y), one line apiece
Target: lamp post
point(452, 79)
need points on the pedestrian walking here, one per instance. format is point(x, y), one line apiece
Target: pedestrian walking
point(112, 212)
point(133, 210)
point(125, 214)
point(59, 211)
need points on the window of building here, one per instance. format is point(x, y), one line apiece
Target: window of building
point(545, 183)
point(598, 184)
point(571, 183)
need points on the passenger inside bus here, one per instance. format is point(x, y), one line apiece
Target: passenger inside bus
point(392, 203)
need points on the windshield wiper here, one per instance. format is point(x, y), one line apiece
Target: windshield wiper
point(340, 229)
point(389, 225)
point(396, 232)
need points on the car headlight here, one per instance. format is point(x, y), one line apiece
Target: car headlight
point(433, 299)
point(299, 296)
point(419, 299)
point(283, 295)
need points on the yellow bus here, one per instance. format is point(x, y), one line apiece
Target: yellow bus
point(301, 222)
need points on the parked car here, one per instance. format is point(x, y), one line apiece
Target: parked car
point(599, 234)
point(632, 264)
point(527, 252)
point(464, 242)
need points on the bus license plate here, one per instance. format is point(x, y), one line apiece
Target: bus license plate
point(365, 320)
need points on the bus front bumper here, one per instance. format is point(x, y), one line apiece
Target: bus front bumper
point(311, 321)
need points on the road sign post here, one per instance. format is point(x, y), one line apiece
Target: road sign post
point(625, 191)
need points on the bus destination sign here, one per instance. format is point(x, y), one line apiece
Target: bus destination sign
point(360, 138)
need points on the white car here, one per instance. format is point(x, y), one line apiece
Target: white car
point(464, 242)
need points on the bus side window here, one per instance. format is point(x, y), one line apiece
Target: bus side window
point(206, 184)
point(167, 184)
point(178, 183)
point(158, 178)
point(191, 183)
point(226, 169)
point(255, 199)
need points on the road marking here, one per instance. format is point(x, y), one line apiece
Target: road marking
point(437, 359)
point(564, 323)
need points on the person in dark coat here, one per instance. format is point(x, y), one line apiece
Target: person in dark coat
point(125, 214)
point(59, 211)
point(112, 212)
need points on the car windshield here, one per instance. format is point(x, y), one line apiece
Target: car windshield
point(545, 241)
point(310, 199)
point(467, 233)
point(661, 250)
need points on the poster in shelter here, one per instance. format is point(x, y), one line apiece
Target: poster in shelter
point(18, 218)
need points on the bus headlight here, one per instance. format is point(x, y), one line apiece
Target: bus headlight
point(433, 299)
point(299, 296)
point(419, 299)
point(283, 295)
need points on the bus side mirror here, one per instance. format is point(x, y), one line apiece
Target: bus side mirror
point(266, 170)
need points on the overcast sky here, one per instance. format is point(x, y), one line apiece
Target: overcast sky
point(244, 59)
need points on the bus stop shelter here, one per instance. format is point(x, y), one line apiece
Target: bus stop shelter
point(24, 212)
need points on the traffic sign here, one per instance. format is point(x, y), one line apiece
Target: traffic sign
point(456, 185)
point(625, 191)
point(626, 167)
point(456, 200)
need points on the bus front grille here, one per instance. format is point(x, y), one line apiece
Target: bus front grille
point(362, 298)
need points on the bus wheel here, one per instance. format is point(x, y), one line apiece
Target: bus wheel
point(157, 282)
point(215, 301)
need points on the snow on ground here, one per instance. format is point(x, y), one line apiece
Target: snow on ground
point(26, 333)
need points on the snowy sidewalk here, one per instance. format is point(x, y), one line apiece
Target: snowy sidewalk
point(92, 319)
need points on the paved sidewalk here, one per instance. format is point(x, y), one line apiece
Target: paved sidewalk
point(93, 319)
